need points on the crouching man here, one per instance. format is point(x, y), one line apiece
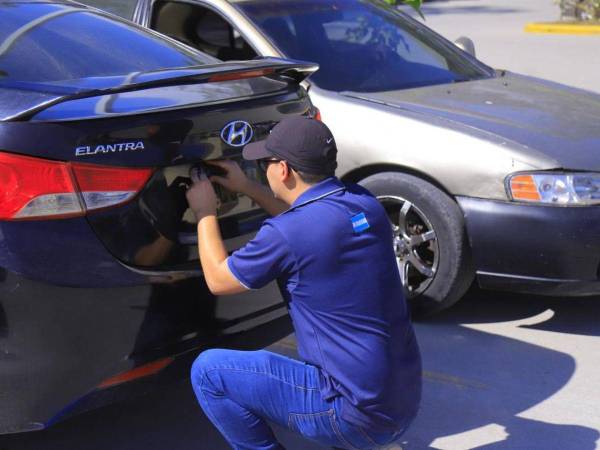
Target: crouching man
point(329, 246)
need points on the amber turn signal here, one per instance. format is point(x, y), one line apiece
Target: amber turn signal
point(523, 187)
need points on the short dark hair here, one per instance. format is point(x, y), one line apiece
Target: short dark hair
point(311, 178)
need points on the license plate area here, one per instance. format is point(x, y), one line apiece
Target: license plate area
point(229, 203)
point(157, 229)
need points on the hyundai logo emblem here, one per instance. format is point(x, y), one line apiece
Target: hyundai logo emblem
point(237, 133)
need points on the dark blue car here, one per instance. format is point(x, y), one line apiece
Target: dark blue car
point(100, 285)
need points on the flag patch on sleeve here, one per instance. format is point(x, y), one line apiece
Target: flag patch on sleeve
point(360, 223)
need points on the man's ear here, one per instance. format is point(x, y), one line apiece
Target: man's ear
point(286, 172)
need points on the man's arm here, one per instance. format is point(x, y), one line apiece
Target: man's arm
point(237, 181)
point(213, 255)
point(213, 258)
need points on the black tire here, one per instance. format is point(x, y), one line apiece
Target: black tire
point(429, 207)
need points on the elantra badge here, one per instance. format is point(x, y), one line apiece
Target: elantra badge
point(237, 133)
point(109, 148)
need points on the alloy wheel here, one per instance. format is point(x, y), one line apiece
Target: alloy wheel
point(415, 244)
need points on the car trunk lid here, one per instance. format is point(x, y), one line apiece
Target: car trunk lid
point(155, 231)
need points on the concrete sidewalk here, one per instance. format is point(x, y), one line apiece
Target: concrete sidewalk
point(497, 28)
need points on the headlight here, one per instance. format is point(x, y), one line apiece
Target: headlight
point(577, 188)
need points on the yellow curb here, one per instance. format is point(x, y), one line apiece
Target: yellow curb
point(563, 28)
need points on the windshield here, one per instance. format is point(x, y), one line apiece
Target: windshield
point(45, 43)
point(360, 46)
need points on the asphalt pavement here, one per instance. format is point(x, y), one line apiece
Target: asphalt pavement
point(497, 29)
point(502, 372)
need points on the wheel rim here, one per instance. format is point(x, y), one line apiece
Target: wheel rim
point(415, 244)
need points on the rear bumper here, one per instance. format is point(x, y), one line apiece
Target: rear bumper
point(534, 249)
point(59, 345)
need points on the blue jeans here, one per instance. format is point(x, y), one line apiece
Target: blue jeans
point(240, 390)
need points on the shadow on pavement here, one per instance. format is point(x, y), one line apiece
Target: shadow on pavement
point(477, 383)
point(575, 315)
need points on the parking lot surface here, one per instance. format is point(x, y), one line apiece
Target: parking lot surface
point(502, 371)
point(497, 29)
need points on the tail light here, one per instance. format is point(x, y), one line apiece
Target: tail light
point(32, 188)
point(102, 186)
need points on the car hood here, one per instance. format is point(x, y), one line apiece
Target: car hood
point(534, 115)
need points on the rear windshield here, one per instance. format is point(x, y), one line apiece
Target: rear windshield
point(53, 42)
point(123, 8)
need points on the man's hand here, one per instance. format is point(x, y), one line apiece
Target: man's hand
point(213, 255)
point(201, 196)
point(234, 180)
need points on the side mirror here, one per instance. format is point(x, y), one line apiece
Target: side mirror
point(465, 44)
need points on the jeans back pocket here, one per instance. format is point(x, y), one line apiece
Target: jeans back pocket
point(315, 426)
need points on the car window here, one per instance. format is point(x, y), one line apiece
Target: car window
point(58, 42)
point(201, 28)
point(360, 45)
point(123, 8)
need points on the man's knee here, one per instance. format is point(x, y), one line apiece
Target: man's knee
point(204, 371)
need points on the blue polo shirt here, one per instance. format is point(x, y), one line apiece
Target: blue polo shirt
point(333, 258)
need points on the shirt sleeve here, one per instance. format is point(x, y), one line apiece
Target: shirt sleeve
point(263, 259)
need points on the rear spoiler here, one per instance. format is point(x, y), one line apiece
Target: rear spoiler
point(293, 70)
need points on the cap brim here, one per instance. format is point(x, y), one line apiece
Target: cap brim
point(256, 150)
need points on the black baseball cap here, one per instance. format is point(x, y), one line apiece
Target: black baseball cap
point(306, 144)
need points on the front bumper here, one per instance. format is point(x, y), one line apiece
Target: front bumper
point(534, 249)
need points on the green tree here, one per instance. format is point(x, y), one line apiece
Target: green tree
point(416, 4)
